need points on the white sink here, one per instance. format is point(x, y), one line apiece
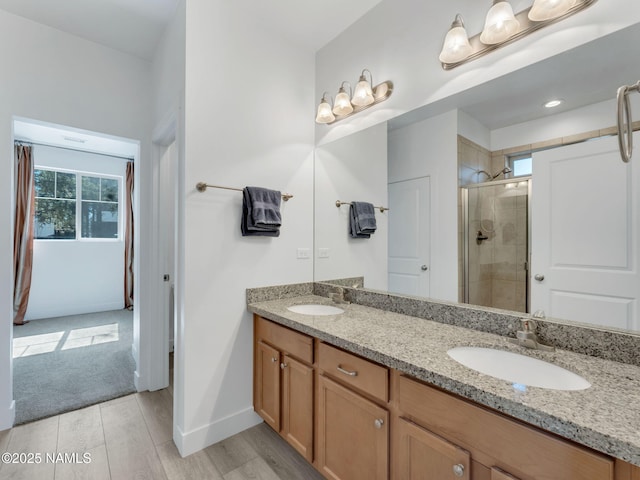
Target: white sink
point(313, 309)
point(518, 369)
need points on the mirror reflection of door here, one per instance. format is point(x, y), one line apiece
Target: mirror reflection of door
point(409, 235)
point(585, 247)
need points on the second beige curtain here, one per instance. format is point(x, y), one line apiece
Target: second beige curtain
point(23, 231)
point(128, 238)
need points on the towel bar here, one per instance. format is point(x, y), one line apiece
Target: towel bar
point(339, 204)
point(202, 186)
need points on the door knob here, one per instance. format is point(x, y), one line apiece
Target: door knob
point(539, 277)
point(458, 470)
point(424, 268)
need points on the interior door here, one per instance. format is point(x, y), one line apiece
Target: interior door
point(409, 234)
point(585, 245)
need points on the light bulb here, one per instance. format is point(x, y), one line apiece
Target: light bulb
point(549, 9)
point(500, 23)
point(363, 95)
point(456, 43)
point(324, 112)
point(342, 104)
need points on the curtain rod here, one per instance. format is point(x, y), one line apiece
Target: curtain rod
point(28, 142)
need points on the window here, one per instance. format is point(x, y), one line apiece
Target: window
point(72, 205)
point(521, 165)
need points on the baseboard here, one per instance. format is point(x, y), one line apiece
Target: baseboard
point(196, 440)
point(8, 417)
point(66, 310)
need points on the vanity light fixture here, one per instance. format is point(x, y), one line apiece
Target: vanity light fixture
point(345, 105)
point(503, 27)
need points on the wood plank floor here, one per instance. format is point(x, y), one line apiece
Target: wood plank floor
point(130, 438)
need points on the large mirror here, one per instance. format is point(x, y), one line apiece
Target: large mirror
point(494, 198)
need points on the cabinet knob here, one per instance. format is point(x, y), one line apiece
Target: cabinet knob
point(274, 359)
point(424, 268)
point(378, 422)
point(458, 470)
point(283, 366)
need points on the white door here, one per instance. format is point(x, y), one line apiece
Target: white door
point(166, 235)
point(409, 234)
point(585, 245)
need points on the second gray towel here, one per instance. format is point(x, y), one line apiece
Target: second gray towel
point(362, 220)
point(260, 212)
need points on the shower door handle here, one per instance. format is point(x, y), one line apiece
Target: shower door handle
point(538, 277)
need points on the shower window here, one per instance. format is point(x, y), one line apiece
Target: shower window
point(521, 165)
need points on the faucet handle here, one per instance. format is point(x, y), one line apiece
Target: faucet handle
point(528, 325)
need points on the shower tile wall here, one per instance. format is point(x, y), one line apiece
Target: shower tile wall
point(471, 159)
point(497, 277)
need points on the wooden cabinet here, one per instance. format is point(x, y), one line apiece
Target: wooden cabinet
point(423, 455)
point(353, 434)
point(283, 383)
point(509, 448)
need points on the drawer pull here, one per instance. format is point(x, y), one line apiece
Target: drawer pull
point(458, 470)
point(378, 422)
point(347, 372)
point(283, 366)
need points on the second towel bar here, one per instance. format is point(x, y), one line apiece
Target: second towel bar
point(339, 204)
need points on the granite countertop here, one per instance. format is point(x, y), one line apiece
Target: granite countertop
point(605, 417)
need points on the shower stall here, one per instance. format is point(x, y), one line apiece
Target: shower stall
point(496, 243)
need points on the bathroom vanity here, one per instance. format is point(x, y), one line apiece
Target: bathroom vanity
point(372, 394)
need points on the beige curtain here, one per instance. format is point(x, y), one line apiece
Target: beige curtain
point(128, 239)
point(23, 231)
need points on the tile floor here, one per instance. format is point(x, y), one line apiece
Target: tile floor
point(130, 438)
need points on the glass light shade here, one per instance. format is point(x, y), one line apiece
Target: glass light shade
point(362, 95)
point(456, 46)
point(500, 24)
point(325, 115)
point(549, 9)
point(342, 104)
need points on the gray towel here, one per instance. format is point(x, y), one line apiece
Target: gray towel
point(362, 220)
point(260, 212)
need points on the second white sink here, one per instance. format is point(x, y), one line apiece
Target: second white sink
point(314, 309)
point(516, 368)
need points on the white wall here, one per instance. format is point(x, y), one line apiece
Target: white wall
point(55, 77)
point(74, 276)
point(249, 107)
point(352, 168)
point(473, 130)
point(430, 148)
point(400, 40)
point(580, 120)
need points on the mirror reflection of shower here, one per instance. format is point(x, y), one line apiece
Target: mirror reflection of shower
point(496, 242)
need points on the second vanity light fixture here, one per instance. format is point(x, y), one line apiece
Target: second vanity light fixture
point(502, 27)
point(347, 104)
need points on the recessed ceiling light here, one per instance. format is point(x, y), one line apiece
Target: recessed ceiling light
point(553, 103)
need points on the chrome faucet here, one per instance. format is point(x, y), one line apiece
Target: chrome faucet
point(339, 296)
point(527, 337)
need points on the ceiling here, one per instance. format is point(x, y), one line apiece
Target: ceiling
point(136, 26)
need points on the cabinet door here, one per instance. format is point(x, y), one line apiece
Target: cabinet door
point(497, 474)
point(425, 456)
point(353, 434)
point(297, 406)
point(267, 386)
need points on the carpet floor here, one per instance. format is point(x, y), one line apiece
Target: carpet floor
point(65, 363)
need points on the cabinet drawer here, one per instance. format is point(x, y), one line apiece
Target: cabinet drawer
point(523, 451)
point(284, 339)
point(353, 370)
